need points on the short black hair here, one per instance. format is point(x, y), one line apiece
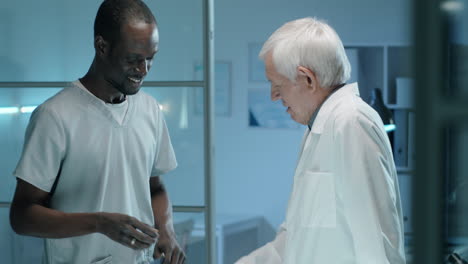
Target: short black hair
point(112, 14)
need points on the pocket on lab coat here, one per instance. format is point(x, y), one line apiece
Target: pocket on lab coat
point(317, 200)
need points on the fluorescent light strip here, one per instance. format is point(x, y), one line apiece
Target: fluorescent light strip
point(27, 109)
point(15, 110)
point(9, 110)
point(390, 128)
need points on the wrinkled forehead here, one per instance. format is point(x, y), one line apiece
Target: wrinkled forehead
point(270, 69)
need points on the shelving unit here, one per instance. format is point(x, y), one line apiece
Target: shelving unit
point(368, 67)
point(388, 67)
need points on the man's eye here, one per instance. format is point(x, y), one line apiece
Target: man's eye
point(136, 61)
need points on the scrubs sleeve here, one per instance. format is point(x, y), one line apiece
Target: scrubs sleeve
point(271, 253)
point(165, 159)
point(43, 150)
point(371, 199)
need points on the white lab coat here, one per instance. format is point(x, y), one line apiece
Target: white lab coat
point(345, 203)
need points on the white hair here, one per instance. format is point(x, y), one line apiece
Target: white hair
point(310, 43)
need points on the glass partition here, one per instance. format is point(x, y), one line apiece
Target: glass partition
point(184, 118)
point(456, 194)
point(190, 232)
point(53, 40)
point(185, 184)
point(49, 43)
point(16, 105)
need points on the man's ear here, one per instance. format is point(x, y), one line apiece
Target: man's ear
point(101, 46)
point(309, 75)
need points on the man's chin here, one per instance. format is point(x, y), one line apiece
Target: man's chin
point(302, 122)
point(131, 90)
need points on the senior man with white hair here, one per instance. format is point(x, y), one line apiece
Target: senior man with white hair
point(345, 202)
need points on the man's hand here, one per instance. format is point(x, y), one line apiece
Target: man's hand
point(168, 248)
point(126, 230)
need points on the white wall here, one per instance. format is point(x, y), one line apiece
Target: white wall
point(255, 167)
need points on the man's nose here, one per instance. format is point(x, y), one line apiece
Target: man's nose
point(143, 67)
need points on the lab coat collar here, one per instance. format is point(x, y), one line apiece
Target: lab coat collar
point(329, 105)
